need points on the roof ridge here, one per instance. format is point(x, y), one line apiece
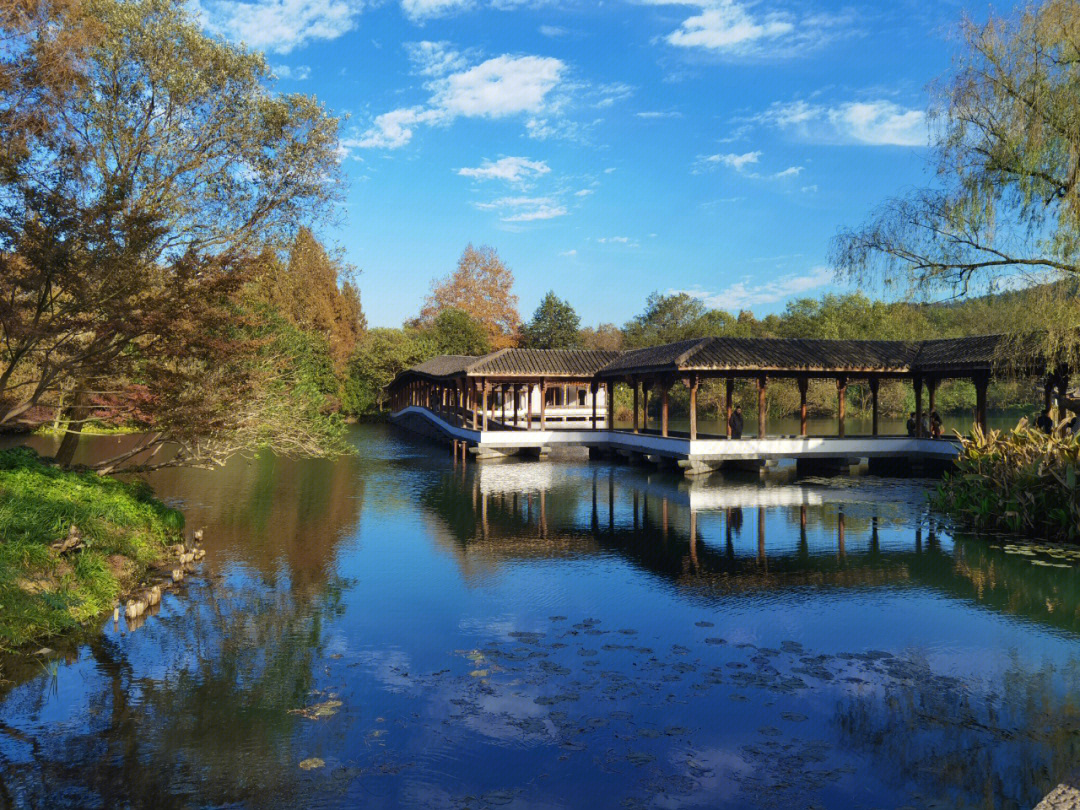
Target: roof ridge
point(699, 344)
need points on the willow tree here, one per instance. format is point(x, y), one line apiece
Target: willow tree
point(132, 208)
point(1005, 210)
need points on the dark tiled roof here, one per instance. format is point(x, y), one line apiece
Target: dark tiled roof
point(536, 362)
point(768, 354)
point(980, 352)
point(447, 365)
point(719, 354)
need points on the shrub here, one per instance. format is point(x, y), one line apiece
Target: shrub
point(1023, 482)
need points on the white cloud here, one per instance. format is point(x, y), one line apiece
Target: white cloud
point(298, 73)
point(609, 170)
point(434, 58)
point(744, 294)
point(514, 170)
point(569, 253)
point(809, 189)
point(417, 10)
point(872, 123)
point(733, 28)
point(790, 171)
point(553, 31)
point(524, 209)
point(618, 240)
point(732, 161)
point(658, 114)
point(280, 26)
point(585, 192)
point(496, 88)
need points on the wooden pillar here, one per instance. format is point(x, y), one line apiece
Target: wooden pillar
point(841, 406)
point(645, 406)
point(634, 382)
point(804, 385)
point(729, 399)
point(931, 394)
point(502, 392)
point(693, 385)
point(484, 404)
point(664, 408)
point(918, 383)
point(594, 389)
point(543, 404)
point(609, 400)
point(517, 396)
point(472, 405)
point(762, 381)
point(982, 382)
point(528, 407)
point(875, 385)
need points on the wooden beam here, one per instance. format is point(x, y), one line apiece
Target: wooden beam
point(875, 385)
point(729, 398)
point(609, 397)
point(804, 385)
point(841, 406)
point(918, 385)
point(982, 383)
point(693, 385)
point(761, 383)
point(543, 406)
point(664, 409)
point(484, 404)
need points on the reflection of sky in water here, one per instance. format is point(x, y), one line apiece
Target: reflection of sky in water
point(486, 637)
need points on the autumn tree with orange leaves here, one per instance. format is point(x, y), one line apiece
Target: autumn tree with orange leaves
point(481, 286)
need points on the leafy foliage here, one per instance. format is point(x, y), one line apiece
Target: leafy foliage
point(454, 332)
point(1024, 482)
point(554, 325)
point(481, 286)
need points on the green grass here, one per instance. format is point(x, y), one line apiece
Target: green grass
point(124, 527)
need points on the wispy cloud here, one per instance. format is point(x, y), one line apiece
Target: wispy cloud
point(419, 10)
point(872, 123)
point(513, 170)
point(741, 164)
point(496, 88)
point(568, 253)
point(280, 26)
point(553, 31)
point(745, 293)
point(435, 58)
point(298, 73)
point(650, 114)
point(752, 29)
point(618, 240)
point(525, 209)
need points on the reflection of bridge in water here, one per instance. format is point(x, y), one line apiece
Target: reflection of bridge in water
point(719, 542)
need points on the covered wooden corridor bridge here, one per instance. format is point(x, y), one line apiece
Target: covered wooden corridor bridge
point(527, 400)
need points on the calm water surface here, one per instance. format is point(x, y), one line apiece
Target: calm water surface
point(390, 630)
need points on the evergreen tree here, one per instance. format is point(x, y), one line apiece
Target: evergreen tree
point(554, 325)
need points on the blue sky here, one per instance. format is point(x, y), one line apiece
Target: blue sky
point(609, 149)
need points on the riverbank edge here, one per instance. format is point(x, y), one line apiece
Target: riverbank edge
point(73, 544)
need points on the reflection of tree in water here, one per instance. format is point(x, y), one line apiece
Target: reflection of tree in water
point(216, 729)
point(272, 512)
point(934, 736)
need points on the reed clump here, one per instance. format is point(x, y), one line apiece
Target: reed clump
point(1022, 482)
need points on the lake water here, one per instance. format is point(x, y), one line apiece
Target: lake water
point(391, 630)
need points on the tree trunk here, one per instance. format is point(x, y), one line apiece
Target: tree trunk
point(75, 414)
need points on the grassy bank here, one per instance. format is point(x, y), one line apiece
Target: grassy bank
point(120, 530)
point(1021, 482)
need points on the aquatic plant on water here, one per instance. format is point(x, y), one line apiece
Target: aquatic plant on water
point(1023, 482)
